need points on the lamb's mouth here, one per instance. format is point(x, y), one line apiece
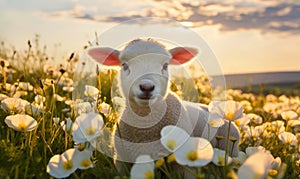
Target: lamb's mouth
point(145, 99)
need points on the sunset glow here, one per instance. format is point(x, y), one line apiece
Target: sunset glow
point(246, 36)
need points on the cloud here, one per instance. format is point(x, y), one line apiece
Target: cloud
point(265, 16)
point(258, 15)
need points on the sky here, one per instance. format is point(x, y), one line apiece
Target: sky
point(245, 35)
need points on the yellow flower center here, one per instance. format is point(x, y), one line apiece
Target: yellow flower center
point(221, 160)
point(288, 141)
point(22, 127)
point(287, 118)
point(159, 162)
point(273, 173)
point(238, 123)
point(171, 144)
point(11, 106)
point(85, 163)
point(67, 165)
point(192, 156)
point(237, 163)
point(171, 158)
point(213, 123)
point(90, 131)
point(218, 137)
point(232, 139)
point(230, 116)
point(149, 174)
point(81, 147)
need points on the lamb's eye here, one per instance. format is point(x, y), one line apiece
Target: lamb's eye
point(125, 66)
point(165, 67)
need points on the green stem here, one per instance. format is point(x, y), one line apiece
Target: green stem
point(43, 132)
point(17, 172)
point(166, 172)
point(227, 144)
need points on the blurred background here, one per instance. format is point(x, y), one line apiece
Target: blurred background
point(247, 36)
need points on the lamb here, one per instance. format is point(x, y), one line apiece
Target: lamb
point(149, 104)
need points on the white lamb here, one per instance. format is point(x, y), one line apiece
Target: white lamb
point(149, 104)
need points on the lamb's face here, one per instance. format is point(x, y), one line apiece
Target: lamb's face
point(144, 78)
point(144, 68)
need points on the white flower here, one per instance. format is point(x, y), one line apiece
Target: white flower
point(246, 105)
point(119, 104)
point(294, 123)
point(91, 91)
point(14, 105)
point(57, 97)
point(288, 138)
point(143, 168)
point(21, 122)
point(33, 109)
point(172, 137)
point(86, 127)
point(39, 99)
point(254, 132)
point(271, 98)
point(196, 152)
point(65, 80)
point(278, 126)
point(214, 120)
point(67, 124)
point(228, 110)
point(243, 121)
point(84, 146)
point(68, 88)
point(270, 107)
point(61, 166)
point(252, 150)
point(19, 94)
point(284, 99)
point(84, 107)
point(219, 157)
point(289, 115)
point(256, 166)
point(83, 158)
point(69, 102)
point(3, 96)
point(104, 108)
point(240, 159)
point(56, 120)
point(255, 118)
point(24, 86)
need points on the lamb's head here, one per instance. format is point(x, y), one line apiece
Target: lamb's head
point(144, 68)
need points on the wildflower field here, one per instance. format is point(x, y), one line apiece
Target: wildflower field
point(44, 133)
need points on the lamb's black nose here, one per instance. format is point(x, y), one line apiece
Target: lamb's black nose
point(147, 88)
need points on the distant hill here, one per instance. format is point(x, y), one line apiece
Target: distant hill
point(249, 79)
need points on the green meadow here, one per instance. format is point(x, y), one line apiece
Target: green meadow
point(37, 112)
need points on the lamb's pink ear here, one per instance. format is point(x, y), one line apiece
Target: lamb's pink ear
point(181, 55)
point(105, 55)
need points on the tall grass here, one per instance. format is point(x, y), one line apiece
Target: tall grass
point(26, 154)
